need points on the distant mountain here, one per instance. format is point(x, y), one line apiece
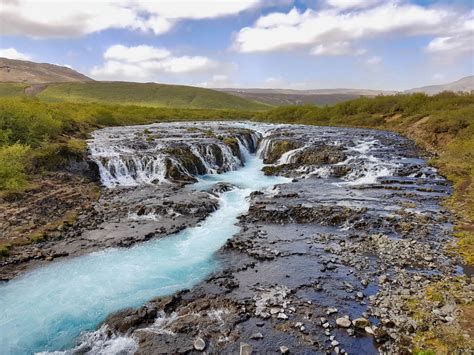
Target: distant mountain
point(303, 97)
point(462, 85)
point(22, 71)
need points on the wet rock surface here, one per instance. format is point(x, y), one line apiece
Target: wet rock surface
point(324, 264)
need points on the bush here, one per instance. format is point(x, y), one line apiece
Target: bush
point(13, 162)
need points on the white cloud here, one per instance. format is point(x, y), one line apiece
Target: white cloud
point(12, 53)
point(348, 4)
point(175, 9)
point(336, 48)
point(72, 18)
point(146, 62)
point(336, 30)
point(452, 44)
point(218, 81)
point(374, 60)
point(135, 54)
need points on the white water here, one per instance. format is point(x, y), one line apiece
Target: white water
point(124, 160)
point(48, 308)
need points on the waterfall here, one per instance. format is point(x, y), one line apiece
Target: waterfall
point(131, 157)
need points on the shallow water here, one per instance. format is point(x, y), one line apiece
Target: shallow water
point(48, 308)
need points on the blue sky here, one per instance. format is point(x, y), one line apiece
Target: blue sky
point(304, 44)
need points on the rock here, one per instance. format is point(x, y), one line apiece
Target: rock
point(331, 311)
point(361, 323)
point(245, 349)
point(334, 343)
point(282, 316)
point(360, 295)
point(343, 322)
point(199, 344)
point(369, 330)
point(284, 349)
point(256, 336)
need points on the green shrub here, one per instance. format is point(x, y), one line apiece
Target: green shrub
point(13, 162)
point(5, 250)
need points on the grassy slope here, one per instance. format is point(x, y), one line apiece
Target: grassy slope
point(12, 89)
point(146, 94)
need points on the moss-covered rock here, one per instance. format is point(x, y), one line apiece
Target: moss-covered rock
point(319, 156)
point(191, 163)
point(278, 149)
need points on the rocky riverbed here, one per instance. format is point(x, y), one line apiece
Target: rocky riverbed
point(335, 260)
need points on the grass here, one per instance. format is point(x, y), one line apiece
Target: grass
point(146, 94)
point(12, 89)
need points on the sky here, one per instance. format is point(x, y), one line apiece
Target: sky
point(302, 44)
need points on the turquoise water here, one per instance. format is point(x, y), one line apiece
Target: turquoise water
point(48, 308)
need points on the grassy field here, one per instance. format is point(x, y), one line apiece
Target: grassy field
point(146, 94)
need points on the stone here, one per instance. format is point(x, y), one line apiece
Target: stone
point(284, 349)
point(334, 343)
point(369, 330)
point(256, 336)
point(245, 349)
point(343, 322)
point(360, 295)
point(199, 344)
point(361, 323)
point(331, 310)
point(282, 316)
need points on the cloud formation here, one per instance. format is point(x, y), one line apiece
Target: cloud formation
point(146, 62)
point(337, 29)
point(70, 18)
point(12, 53)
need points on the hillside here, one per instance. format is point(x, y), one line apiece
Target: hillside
point(465, 84)
point(279, 97)
point(146, 94)
point(21, 71)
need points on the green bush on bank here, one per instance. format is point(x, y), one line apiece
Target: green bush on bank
point(13, 162)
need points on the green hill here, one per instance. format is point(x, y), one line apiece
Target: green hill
point(146, 94)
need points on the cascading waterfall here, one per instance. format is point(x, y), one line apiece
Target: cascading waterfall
point(124, 162)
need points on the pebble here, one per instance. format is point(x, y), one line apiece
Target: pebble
point(199, 344)
point(245, 349)
point(331, 310)
point(282, 316)
point(256, 336)
point(361, 323)
point(343, 322)
point(284, 349)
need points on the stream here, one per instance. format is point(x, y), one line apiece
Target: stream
point(54, 304)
